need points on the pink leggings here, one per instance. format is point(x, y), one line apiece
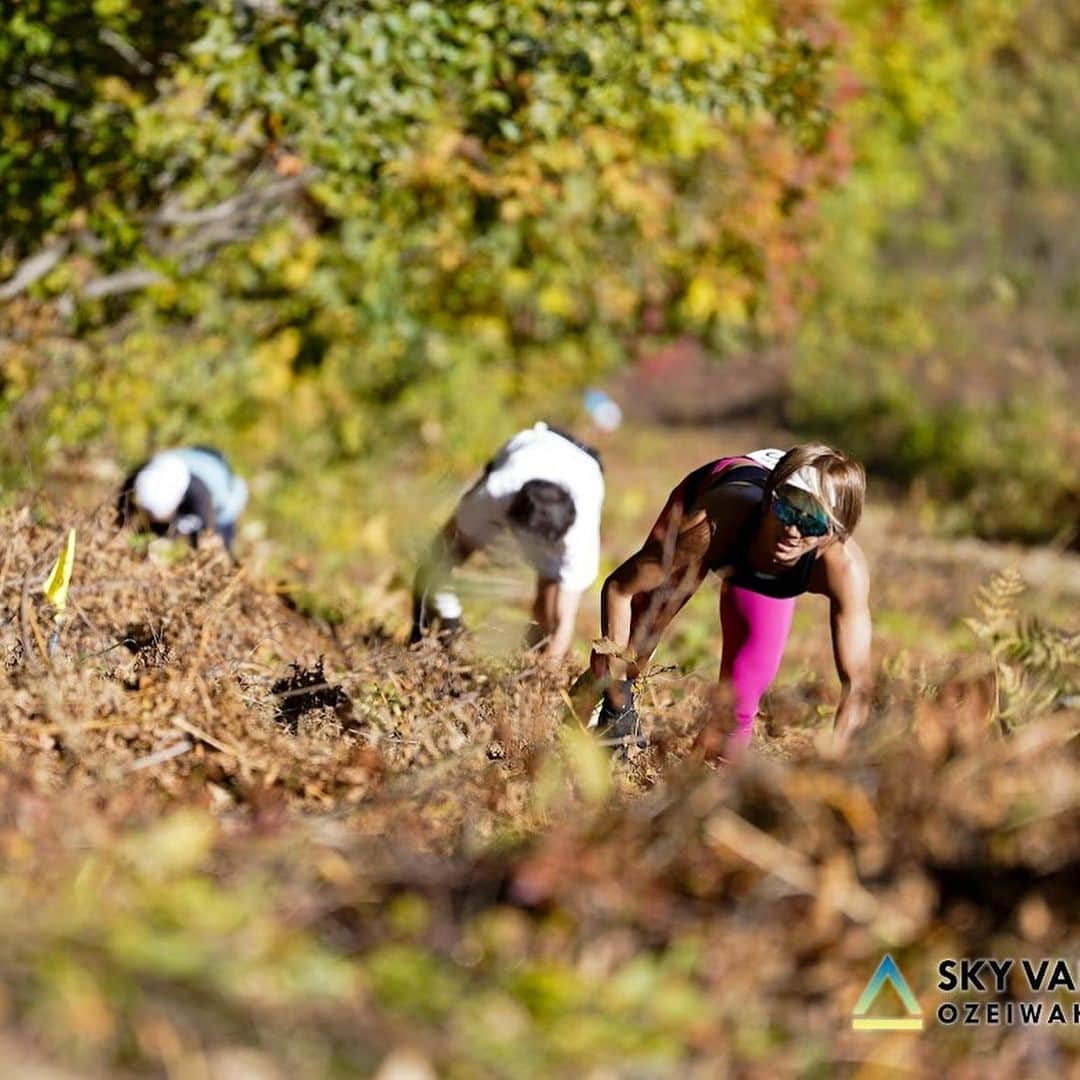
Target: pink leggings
point(755, 627)
point(755, 631)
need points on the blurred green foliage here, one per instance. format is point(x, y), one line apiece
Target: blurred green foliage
point(368, 229)
point(373, 219)
point(74, 75)
point(941, 346)
point(107, 939)
point(180, 957)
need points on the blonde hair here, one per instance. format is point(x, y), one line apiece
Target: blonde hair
point(839, 482)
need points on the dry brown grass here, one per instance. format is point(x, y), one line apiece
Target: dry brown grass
point(428, 840)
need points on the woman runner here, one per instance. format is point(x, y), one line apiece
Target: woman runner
point(773, 525)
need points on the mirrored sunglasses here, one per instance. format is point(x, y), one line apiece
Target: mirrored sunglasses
point(793, 507)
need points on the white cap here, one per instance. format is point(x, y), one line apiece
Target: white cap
point(160, 486)
point(806, 479)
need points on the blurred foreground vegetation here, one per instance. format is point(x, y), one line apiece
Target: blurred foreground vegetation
point(235, 843)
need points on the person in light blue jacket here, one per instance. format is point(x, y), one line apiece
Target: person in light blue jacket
point(184, 492)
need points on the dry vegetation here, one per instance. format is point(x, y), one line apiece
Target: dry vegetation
point(356, 245)
point(237, 842)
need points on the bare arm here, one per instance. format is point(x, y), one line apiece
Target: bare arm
point(642, 596)
point(555, 610)
point(642, 573)
point(849, 595)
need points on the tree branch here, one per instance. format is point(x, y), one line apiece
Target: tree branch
point(32, 270)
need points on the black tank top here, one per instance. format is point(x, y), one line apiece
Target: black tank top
point(788, 583)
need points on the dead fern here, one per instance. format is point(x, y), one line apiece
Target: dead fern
point(1034, 664)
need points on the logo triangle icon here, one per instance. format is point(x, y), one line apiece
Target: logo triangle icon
point(887, 972)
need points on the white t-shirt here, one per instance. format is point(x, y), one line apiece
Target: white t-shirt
point(540, 454)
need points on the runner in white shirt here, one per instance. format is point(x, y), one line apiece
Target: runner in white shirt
point(547, 489)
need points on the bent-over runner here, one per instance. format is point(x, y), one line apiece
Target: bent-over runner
point(548, 490)
point(773, 525)
point(183, 492)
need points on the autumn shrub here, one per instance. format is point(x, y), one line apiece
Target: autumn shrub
point(74, 75)
point(364, 221)
point(321, 235)
point(940, 347)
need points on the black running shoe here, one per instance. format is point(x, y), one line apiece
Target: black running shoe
point(448, 629)
point(445, 630)
point(620, 727)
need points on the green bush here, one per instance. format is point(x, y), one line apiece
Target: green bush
point(374, 226)
point(940, 346)
point(372, 219)
point(75, 75)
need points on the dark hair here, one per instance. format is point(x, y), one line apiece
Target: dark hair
point(544, 509)
point(126, 510)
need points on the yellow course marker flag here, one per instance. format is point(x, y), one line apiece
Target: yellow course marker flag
point(56, 586)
